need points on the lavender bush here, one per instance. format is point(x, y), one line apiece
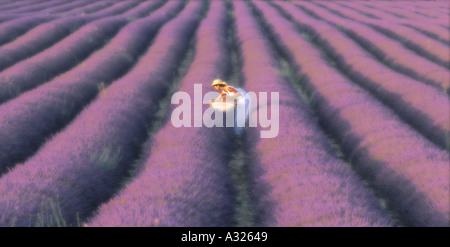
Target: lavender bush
point(48, 34)
point(64, 7)
point(59, 100)
point(430, 28)
point(82, 166)
point(16, 27)
point(88, 9)
point(420, 104)
point(411, 172)
point(392, 51)
point(411, 38)
point(38, 6)
point(12, 5)
point(191, 188)
point(85, 137)
point(300, 182)
point(418, 15)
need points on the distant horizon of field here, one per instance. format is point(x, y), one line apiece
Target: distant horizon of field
point(358, 94)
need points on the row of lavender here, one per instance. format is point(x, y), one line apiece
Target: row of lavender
point(33, 7)
point(99, 7)
point(411, 172)
point(300, 182)
point(413, 39)
point(48, 7)
point(417, 103)
point(86, 166)
point(65, 54)
point(29, 119)
point(186, 181)
point(396, 14)
point(352, 221)
point(437, 10)
point(172, 192)
point(431, 29)
point(269, 191)
point(420, 15)
point(390, 51)
point(83, 165)
point(16, 25)
point(62, 8)
point(49, 33)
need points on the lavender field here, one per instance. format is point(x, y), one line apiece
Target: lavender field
point(86, 137)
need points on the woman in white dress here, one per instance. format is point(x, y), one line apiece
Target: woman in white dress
point(236, 95)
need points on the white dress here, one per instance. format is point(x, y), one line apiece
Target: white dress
point(243, 102)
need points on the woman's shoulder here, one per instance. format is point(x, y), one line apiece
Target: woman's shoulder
point(230, 87)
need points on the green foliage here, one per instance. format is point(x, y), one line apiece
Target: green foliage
point(107, 159)
point(14, 90)
point(306, 36)
point(50, 215)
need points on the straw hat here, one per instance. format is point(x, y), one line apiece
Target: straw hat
point(218, 82)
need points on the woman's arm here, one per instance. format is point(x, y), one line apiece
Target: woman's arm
point(233, 91)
